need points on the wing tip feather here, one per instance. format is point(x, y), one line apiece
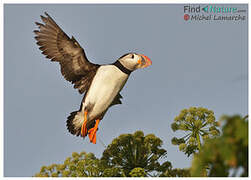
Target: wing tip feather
point(36, 32)
point(39, 24)
point(46, 14)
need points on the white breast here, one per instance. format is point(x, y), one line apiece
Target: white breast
point(107, 83)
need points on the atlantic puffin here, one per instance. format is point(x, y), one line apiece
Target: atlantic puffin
point(101, 84)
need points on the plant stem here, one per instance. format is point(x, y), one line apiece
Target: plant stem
point(198, 140)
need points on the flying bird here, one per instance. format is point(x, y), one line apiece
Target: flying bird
point(101, 84)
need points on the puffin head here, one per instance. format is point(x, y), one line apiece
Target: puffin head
point(133, 61)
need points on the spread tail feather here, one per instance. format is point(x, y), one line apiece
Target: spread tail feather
point(74, 122)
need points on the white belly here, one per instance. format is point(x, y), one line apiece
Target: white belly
point(107, 83)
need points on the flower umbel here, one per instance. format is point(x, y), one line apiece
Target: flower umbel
point(199, 124)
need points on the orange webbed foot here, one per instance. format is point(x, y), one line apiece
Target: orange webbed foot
point(92, 132)
point(83, 128)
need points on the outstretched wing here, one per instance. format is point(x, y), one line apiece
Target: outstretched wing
point(57, 46)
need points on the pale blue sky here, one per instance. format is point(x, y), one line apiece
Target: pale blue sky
point(194, 64)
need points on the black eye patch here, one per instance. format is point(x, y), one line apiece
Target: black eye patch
point(132, 56)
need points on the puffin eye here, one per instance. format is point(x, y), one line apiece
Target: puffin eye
point(132, 56)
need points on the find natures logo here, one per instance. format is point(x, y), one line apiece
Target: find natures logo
point(213, 12)
point(219, 9)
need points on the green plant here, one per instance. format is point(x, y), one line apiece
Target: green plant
point(199, 124)
point(130, 151)
point(78, 165)
point(227, 154)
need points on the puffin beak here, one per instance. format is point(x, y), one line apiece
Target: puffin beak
point(145, 61)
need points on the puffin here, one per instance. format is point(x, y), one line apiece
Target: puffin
point(100, 84)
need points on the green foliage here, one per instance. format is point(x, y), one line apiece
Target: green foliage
point(129, 155)
point(79, 165)
point(137, 172)
point(228, 152)
point(137, 155)
point(130, 151)
point(199, 124)
point(176, 173)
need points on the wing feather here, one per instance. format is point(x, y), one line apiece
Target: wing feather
point(57, 46)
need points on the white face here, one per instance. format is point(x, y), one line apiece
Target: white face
point(133, 61)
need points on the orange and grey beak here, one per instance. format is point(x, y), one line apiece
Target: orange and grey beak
point(144, 61)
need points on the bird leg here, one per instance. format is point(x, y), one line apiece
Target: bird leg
point(92, 132)
point(83, 128)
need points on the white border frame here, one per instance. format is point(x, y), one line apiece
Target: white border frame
point(102, 2)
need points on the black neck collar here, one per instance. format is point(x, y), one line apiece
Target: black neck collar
point(122, 68)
